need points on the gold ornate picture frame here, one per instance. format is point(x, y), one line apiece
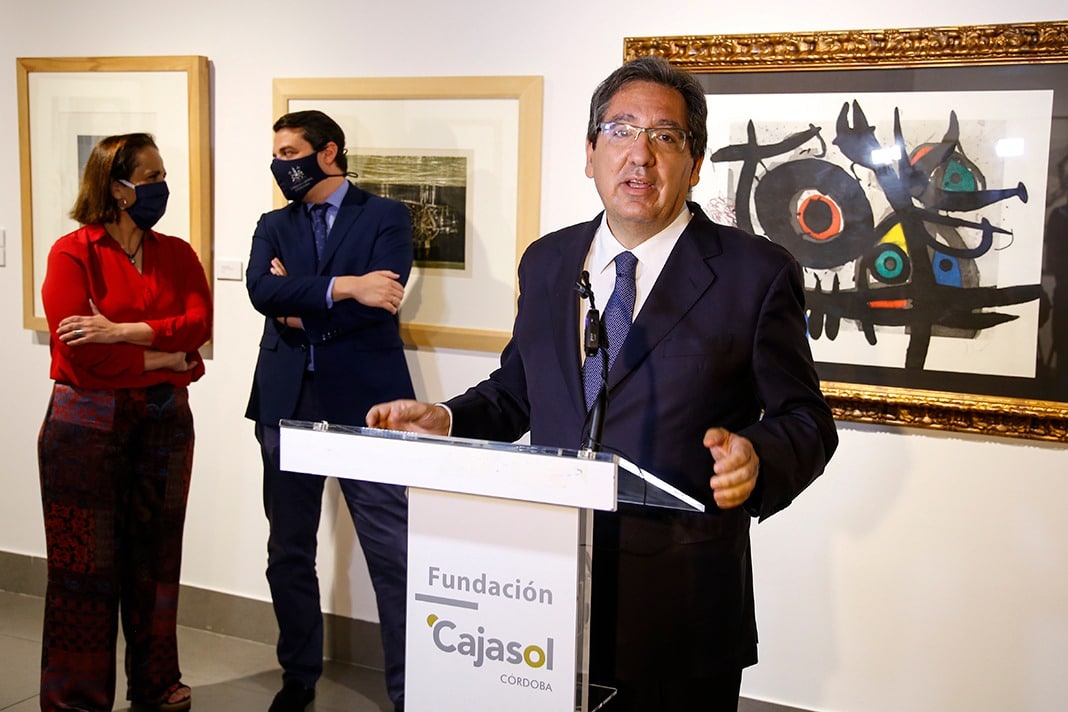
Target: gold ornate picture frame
point(490, 124)
point(920, 176)
point(67, 104)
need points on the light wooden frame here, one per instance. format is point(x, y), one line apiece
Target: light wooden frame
point(198, 192)
point(526, 91)
point(772, 61)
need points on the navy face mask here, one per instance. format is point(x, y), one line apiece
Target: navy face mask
point(298, 175)
point(150, 202)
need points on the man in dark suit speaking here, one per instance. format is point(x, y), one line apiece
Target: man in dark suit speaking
point(328, 272)
point(713, 389)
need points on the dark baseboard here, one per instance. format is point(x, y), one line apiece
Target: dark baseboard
point(23, 574)
point(747, 705)
point(345, 639)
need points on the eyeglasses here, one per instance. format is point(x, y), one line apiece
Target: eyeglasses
point(661, 138)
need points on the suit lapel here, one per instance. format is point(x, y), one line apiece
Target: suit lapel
point(299, 254)
point(564, 309)
point(686, 277)
point(351, 208)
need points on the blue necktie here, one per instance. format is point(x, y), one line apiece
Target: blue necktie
point(317, 211)
point(617, 317)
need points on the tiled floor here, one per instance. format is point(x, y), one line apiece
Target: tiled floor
point(226, 674)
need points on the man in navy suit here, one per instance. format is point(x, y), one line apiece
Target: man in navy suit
point(713, 390)
point(327, 271)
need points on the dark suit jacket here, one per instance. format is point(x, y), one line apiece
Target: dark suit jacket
point(720, 341)
point(359, 356)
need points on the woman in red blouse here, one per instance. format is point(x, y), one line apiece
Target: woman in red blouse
point(127, 310)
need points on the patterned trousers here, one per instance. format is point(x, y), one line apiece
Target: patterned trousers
point(115, 469)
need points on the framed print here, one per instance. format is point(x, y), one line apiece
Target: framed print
point(67, 104)
point(464, 154)
point(434, 187)
point(920, 178)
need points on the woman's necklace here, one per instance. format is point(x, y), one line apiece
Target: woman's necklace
point(133, 255)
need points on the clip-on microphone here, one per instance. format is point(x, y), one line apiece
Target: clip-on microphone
point(591, 331)
point(594, 342)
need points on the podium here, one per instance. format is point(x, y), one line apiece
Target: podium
point(499, 558)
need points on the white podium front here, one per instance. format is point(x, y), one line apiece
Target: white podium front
point(499, 559)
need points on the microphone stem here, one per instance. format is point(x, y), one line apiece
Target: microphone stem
point(597, 411)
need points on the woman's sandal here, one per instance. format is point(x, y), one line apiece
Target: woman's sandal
point(177, 698)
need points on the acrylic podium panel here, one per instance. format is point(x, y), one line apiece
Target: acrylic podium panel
point(540, 474)
point(499, 558)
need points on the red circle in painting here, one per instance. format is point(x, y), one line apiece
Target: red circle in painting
point(820, 217)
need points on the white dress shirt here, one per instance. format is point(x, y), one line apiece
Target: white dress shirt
point(652, 255)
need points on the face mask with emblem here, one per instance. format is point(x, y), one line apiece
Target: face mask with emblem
point(298, 175)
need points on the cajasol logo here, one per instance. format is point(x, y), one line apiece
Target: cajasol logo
point(481, 647)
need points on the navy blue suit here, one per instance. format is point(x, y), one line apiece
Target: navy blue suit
point(358, 361)
point(720, 341)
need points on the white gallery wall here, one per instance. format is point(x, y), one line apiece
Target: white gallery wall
point(923, 572)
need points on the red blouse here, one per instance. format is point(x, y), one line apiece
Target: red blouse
point(171, 295)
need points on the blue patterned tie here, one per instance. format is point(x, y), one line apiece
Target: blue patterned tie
point(617, 317)
point(317, 211)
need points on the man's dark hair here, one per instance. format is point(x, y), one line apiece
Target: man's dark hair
point(658, 71)
point(318, 129)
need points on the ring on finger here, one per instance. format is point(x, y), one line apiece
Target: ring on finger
point(78, 333)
